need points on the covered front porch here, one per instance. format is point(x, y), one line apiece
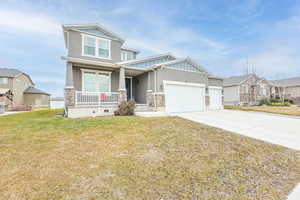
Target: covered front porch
point(100, 86)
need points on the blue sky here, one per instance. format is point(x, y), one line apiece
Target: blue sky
point(220, 35)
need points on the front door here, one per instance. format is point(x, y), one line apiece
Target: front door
point(128, 82)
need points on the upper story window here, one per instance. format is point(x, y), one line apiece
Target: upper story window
point(3, 80)
point(96, 47)
point(127, 55)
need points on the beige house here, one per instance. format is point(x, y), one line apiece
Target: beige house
point(245, 90)
point(286, 88)
point(101, 72)
point(17, 91)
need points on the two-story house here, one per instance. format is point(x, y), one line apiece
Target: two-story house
point(17, 91)
point(101, 72)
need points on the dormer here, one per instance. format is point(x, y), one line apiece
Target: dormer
point(128, 54)
point(92, 42)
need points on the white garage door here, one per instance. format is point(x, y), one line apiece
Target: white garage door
point(184, 97)
point(215, 98)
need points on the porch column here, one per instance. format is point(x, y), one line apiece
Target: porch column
point(69, 87)
point(69, 75)
point(149, 83)
point(122, 88)
point(150, 96)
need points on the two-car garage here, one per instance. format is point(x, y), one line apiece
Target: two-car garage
point(190, 97)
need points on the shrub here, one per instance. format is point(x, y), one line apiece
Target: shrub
point(280, 101)
point(265, 101)
point(126, 108)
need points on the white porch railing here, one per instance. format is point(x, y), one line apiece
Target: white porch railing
point(95, 98)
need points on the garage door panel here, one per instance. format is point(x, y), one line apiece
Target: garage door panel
point(215, 98)
point(183, 97)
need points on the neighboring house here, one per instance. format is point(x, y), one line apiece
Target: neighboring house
point(286, 88)
point(17, 90)
point(100, 73)
point(245, 90)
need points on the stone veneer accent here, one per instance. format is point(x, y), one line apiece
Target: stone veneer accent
point(207, 102)
point(155, 99)
point(122, 96)
point(69, 97)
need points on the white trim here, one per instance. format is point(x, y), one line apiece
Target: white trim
point(165, 82)
point(146, 58)
point(136, 68)
point(96, 46)
point(130, 49)
point(215, 87)
point(172, 68)
point(89, 62)
point(89, 26)
point(97, 81)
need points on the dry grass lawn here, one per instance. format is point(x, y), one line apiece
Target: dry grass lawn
point(283, 110)
point(43, 157)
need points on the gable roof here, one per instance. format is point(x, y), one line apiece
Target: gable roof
point(288, 82)
point(12, 73)
point(130, 49)
point(235, 80)
point(33, 90)
point(9, 72)
point(95, 26)
point(183, 60)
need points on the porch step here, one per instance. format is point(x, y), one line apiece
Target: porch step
point(141, 107)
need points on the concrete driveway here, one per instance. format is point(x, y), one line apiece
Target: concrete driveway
point(277, 129)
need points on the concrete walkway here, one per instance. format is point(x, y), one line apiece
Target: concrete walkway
point(277, 129)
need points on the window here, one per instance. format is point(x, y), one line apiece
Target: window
point(103, 48)
point(245, 89)
point(96, 47)
point(3, 80)
point(89, 82)
point(94, 81)
point(89, 46)
point(104, 82)
point(263, 90)
point(127, 55)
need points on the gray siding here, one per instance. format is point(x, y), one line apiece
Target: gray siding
point(77, 78)
point(75, 48)
point(181, 76)
point(231, 95)
point(140, 84)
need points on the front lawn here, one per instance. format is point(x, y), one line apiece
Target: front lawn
point(283, 110)
point(43, 156)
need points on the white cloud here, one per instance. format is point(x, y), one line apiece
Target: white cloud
point(28, 22)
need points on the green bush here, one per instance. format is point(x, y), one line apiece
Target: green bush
point(126, 108)
point(280, 101)
point(265, 101)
